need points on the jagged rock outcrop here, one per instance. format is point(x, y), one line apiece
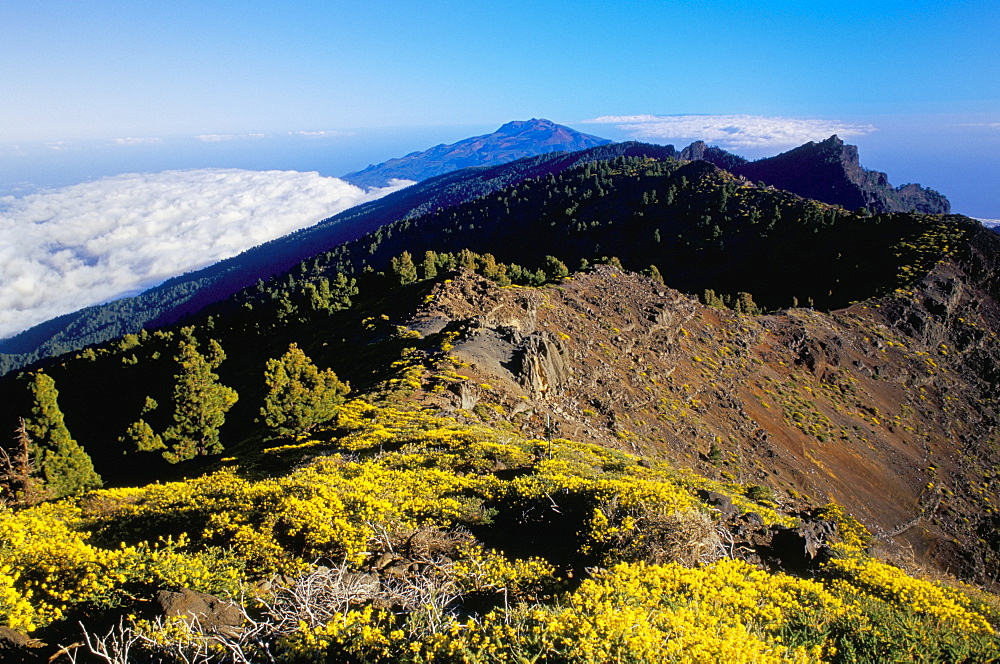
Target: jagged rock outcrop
point(830, 171)
point(921, 199)
point(700, 151)
point(544, 368)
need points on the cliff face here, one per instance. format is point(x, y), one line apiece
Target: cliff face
point(830, 171)
point(884, 407)
point(921, 199)
point(700, 151)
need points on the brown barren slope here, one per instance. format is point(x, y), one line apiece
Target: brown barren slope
point(881, 407)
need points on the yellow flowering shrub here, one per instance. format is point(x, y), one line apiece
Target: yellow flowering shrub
point(490, 571)
point(50, 564)
point(730, 612)
point(943, 605)
point(734, 491)
point(170, 563)
point(15, 606)
point(47, 565)
point(331, 508)
point(357, 635)
point(501, 549)
point(853, 534)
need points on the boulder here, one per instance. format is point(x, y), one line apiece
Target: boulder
point(212, 613)
point(16, 647)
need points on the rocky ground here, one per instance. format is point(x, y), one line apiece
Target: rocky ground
point(885, 407)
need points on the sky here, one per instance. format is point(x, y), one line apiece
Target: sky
point(98, 89)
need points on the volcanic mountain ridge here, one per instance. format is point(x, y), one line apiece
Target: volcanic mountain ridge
point(884, 407)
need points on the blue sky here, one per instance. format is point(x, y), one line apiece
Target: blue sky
point(99, 88)
point(102, 68)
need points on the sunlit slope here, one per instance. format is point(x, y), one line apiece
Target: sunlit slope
point(457, 542)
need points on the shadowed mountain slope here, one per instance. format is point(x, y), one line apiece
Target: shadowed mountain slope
point(702, 228)
point(829, 171)
point(189, 293)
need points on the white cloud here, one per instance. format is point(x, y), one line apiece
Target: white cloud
point(64, 249)
point(135, 141)
point(989, 223)
point(218, 138)
point(326, 133)
point(732, 131)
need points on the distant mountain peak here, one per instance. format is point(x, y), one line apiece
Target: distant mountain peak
point(534, 124)
point(514, 140)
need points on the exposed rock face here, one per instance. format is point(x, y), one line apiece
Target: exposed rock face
point(886, 407)
point(699, 151)
point(830, 171)
point(543, 365)
point(801, 549)
point(914, 197)
point(500, 335)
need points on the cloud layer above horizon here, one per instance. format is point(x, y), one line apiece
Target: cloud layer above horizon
point(732, 132)
point(68, 248)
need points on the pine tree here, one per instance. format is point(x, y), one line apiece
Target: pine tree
point(555, 269)
point(342, 290)
point(140, 435)
point(316, 297)
point(745, 305)
point(200, 402)
point(466, 259)
point(64, 465)
point(429, 266)
point(300, 396)
point(404, 268)
point(653, 273)
point(489, 267)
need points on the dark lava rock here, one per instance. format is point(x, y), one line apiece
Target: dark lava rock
point(212, 613)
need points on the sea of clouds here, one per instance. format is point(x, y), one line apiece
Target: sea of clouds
point(732, 132)
point(67, 248)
